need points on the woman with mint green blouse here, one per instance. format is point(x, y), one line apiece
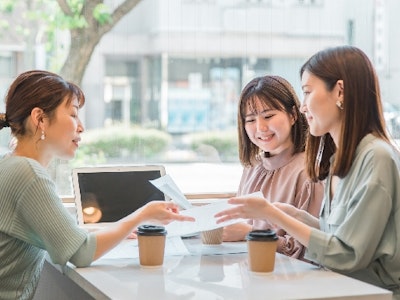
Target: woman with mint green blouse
point(42, 112)
point(357, 232)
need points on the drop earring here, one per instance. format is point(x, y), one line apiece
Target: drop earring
point(42, 136)
point(339, 104)
point(320, 152)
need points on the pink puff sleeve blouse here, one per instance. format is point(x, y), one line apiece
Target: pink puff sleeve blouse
point(282, 178)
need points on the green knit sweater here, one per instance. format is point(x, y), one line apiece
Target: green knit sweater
point(33, 220)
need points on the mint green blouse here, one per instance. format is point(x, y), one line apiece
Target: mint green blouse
point(33, 221)
point(360, 225)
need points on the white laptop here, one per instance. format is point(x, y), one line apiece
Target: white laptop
point(106, 194)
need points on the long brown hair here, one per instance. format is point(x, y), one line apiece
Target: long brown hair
point(362, 107)
point(277, 93)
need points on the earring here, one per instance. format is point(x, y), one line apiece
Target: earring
point(339, 104)
point(42, 136)
point(318, 160)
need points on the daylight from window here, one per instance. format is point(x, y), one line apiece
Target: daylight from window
point(162, 78)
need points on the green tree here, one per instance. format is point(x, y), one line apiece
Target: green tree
point(93, 20)
point(87, 21)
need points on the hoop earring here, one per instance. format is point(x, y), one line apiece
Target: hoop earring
point(42, 136)
point(339, 104)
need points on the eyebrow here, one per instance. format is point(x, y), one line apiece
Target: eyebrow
point(255, 113)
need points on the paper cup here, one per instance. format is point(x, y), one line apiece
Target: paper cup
point(212, 237)
point(151, 240)
point(262, 246)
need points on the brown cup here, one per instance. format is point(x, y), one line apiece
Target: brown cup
point(261, 245)
point(151, 239)
point(212, 237)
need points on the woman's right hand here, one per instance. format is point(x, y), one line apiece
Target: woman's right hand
point(245, 208)
point(163, 212)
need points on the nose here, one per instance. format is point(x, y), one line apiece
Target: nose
point(261, 124)
point(81, 128)
point(303, 107)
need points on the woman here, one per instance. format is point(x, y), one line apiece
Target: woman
point(272, 134)
point(42, 111)
point(357, 233)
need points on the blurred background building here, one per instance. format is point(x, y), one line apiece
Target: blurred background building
point(178, 66)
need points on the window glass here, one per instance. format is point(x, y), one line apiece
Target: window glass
point(163, 84)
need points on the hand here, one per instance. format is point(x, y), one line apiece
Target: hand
point(132, 236)
point(162, 212)
point(236, 232)
point(246, 208)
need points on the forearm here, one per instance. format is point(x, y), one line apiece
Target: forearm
point(295, 228)
point(306, 218)
point(299, 214)
point(111, 236)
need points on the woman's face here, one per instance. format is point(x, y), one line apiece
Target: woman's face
point(319, 106)
point(268, 128)
point(63, 131)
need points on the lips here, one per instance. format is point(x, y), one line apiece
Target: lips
point(265, 138)
point(76, 141)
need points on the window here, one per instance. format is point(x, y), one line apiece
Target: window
point(163, 85)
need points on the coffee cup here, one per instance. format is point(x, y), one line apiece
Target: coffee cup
point(212, 237)
point(261, 245)
point(151, 240)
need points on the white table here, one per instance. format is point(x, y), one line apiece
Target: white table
point(204, 276)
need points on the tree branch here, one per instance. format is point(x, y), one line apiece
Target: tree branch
point(120, 12)
point(65, 7)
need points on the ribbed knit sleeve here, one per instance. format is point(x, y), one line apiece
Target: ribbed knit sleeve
point(44, 221)
point(33, 219)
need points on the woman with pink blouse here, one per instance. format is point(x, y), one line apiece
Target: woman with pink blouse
point(272, 134)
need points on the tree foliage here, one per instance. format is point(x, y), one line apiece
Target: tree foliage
point(86, 21)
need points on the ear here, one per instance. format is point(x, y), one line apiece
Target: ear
point(293, 116)
point(340, 89)
point(37, 116)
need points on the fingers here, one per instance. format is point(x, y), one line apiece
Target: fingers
point(173, 209)
point(227, 212)
point(237, 200)
point(184, 218)
point(132, 235)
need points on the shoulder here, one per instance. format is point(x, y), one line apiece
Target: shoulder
point(377, 151)
point(376, 161)
point(17, 168)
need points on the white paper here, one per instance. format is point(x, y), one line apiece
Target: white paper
point(166, 185)
point(129, 249)
point(203, 215)
point(204, 219)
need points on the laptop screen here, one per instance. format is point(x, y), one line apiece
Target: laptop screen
point(107, 194)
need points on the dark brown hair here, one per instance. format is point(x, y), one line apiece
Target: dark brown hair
point(277, 93)
point(40, 89)
point(362, 107)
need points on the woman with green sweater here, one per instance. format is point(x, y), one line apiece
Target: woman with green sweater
point(42, 112)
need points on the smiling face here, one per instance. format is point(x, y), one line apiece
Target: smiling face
point(319, 106)
point(268, 128)
point(62, 132)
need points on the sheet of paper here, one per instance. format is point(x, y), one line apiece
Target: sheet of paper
point(205, 220)
point(204, 215)
point(166, 185)
point(129, 248)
